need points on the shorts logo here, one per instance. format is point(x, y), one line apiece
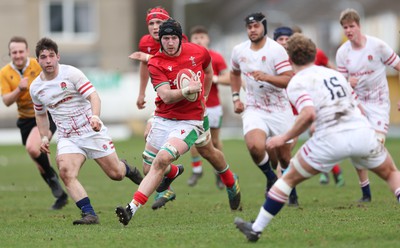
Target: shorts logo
point(182, 131)
point(370, 58)
point(105, 148)
point(63, 85)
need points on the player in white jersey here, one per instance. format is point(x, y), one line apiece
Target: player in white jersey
point(265, 67)
point(74, 104)
point(363, 60)
point(323, 96)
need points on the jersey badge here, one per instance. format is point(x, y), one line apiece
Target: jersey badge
point(192, 59)
point(63, 85)
point(264, 59)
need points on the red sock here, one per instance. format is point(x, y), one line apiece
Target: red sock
point(227, 178)
point(172, 173)
point(196, 163)
point(140, 197)
point(336, 169)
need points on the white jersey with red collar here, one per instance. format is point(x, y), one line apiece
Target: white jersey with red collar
point(332, 97)
point(368, 65)
point(271, 59)
point(65, 99)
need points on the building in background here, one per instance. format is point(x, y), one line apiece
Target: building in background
point(98, 35)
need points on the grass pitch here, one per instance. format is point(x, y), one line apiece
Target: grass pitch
point(200, 216)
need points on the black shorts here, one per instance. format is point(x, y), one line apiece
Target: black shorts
point(26, 125)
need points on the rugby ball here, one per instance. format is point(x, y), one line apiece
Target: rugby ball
point(182, 80)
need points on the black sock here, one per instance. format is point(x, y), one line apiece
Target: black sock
point(267, 170)
point(43, 161)
point(50, 176)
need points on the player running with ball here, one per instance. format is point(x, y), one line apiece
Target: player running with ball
point(178, 123)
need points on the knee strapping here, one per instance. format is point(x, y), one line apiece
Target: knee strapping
point(203, 139)
point(296, 164)
point(171, 150)
point(148, 157)
point(283, 186)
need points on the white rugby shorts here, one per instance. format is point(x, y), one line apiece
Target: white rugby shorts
point(378, 117)
point(271, 123)
point(360, 145)
point(164, 129)
point(92, 145)
point(215, 116)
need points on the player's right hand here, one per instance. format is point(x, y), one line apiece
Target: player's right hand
point(194, 86)
point(238, 106)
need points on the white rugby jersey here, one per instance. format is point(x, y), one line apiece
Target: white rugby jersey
point(368, 66)
point(271, 59)
point(65, 99)
point(332, 97)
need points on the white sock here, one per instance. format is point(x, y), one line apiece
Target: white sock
point(198, 169)
point(262, 220)
point(134, 207)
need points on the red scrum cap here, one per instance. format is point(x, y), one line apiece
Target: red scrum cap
point(157, 12)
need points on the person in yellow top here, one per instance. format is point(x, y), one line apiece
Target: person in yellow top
point(15, 79)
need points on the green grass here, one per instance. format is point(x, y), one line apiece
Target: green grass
point(200, 216)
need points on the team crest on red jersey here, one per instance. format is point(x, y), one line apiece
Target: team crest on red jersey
point(192, 59)
point(63, 85)
point(370, 58)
